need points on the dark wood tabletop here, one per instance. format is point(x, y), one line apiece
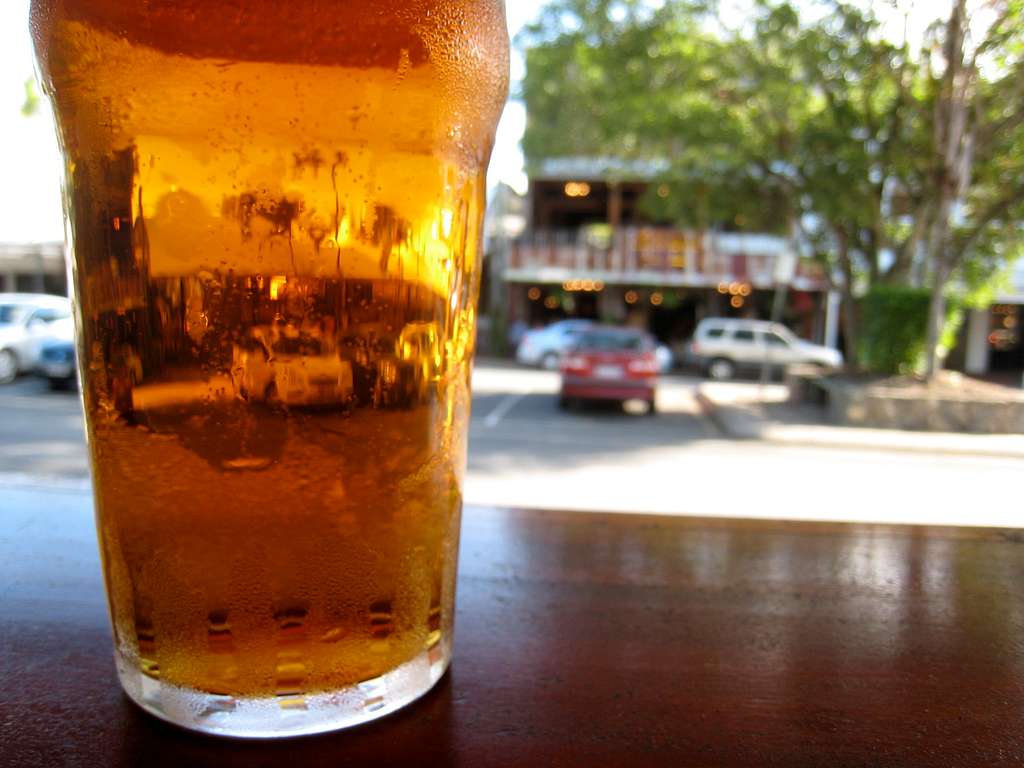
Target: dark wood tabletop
point(592, 640)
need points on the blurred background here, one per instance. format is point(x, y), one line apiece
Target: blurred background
point(752, 259)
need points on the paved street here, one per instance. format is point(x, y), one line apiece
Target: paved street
point(525, 451)
point(41, 432)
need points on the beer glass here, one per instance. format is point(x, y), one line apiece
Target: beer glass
point(275, 211)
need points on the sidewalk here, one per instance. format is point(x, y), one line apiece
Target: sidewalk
point(749, 412)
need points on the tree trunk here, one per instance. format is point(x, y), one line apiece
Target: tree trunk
point(953, 145)
point(851, 317)
point(851, 330)
point(939, 256)
point(936, 320)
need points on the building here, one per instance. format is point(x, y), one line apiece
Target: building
point(587, 249)
point(993, 338)
point(33, 268)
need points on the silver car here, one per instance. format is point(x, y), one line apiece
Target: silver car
point(545, 346)
point(26, 321)
point(723, 346)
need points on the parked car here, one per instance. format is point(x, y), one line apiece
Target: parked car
point(546, 346)
point(56, 359)
point(420, 343)
point(395, 383)
point(607, 363)
point(25, 323)
point(723, 346)
point(294, 369)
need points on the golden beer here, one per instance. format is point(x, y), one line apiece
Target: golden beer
point(276, 213)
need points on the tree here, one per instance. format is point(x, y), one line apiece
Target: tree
point(973, 213)
point(822, 126)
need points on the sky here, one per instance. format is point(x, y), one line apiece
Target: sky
point(30, 164)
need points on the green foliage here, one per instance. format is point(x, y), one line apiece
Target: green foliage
point(31, 104)
point(894, 328)
point(815, 118)
point(758, 127)
point(613, 78)
point(670, 300)
point(956, 313)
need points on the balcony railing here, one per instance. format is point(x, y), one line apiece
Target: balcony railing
point(655, 255)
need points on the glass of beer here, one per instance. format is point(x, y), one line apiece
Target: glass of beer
point(275, 214)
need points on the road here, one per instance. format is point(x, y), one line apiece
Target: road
point(41, 432)
point(524, 451)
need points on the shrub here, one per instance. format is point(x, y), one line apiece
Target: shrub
point(894, 328)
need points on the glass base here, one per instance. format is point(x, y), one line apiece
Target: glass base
point(271, 717)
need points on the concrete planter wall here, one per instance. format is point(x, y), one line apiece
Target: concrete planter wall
point(885, 407)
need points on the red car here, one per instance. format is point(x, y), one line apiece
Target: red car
point(609, 363)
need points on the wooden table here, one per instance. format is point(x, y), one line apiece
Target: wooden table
point(593, 640)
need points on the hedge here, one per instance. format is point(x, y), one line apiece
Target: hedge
point(894, 328)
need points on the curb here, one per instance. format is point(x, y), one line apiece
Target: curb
point(712, 412)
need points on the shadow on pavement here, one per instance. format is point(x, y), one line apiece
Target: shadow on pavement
point(534, 432)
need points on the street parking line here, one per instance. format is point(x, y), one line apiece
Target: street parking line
point(501, 410)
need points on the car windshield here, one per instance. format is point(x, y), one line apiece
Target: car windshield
point(49, 315)
point(12, 314)
point(613, 342)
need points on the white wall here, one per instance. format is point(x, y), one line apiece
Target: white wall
point(977, 353)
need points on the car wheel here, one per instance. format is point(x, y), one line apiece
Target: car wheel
point(721, 369)
point(569, 403)
point(8, 366)
point(62, 385)
point(550, 361)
